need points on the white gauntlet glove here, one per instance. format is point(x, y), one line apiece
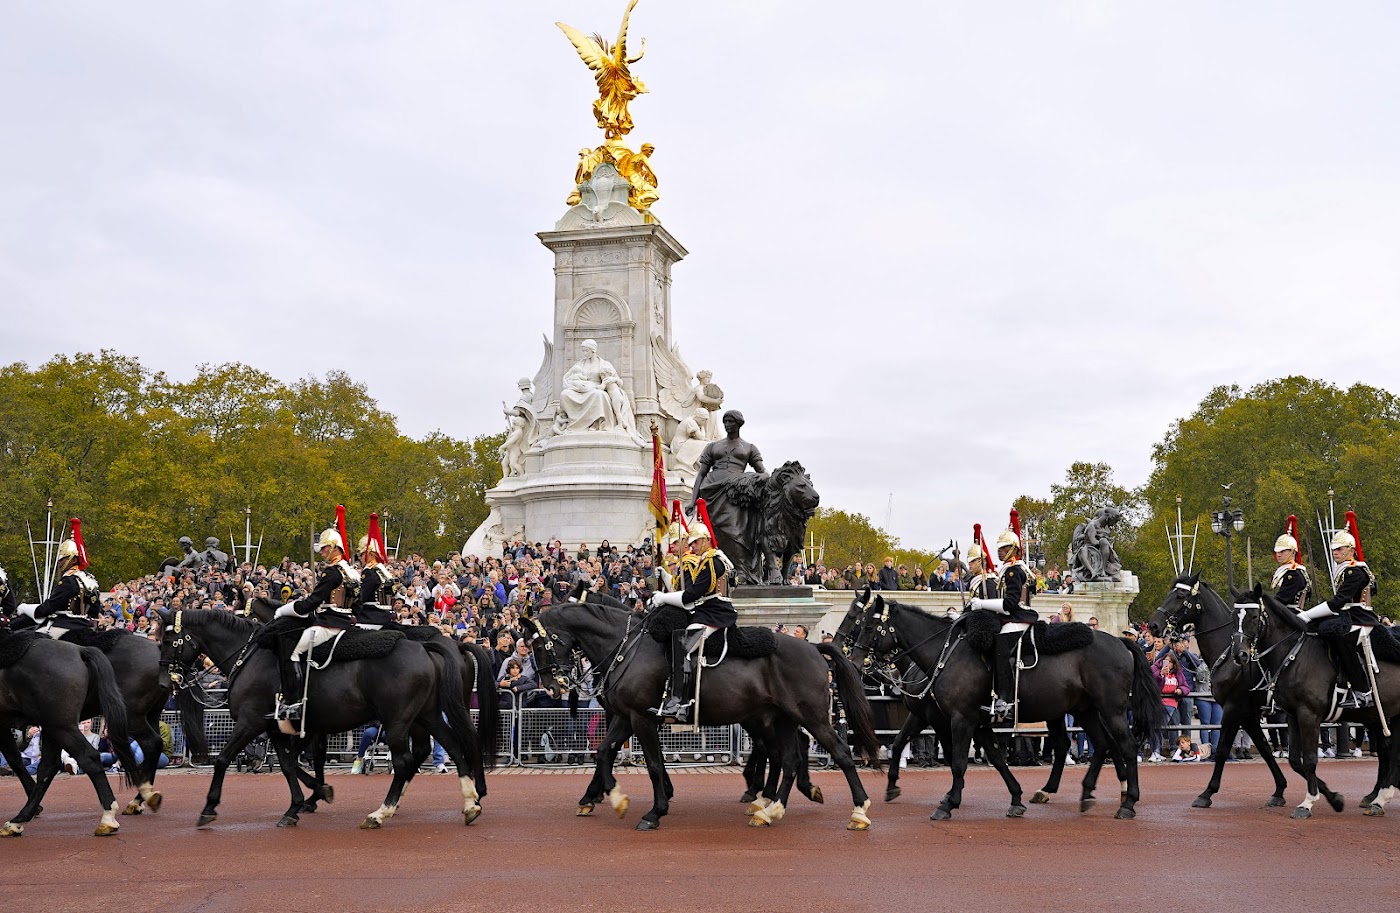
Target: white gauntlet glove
point(1321, 610)
point(994, 605)
point(28, 609)
point(286, 611)
point(676, 599)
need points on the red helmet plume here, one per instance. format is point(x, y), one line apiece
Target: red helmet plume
point(82, 549)
point(1355, 534)
point(1016, 524)
point(340, 526)
point(987, 558)
point(375, 538)
point(1291, 526)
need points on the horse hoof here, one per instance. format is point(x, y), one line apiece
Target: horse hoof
point(1274, 802)
point(759, 821)
point(132, 808)
point(1125, 814)
point(12, 830)
point(1366, 801)
point(584, 811)
point(371, 823)
point(1374, 811)
point(893, 793)
point(153, 802)
point(1086, 804)
point(471, 814)
point(757, 806)
point(648, 824)
point(1041, 797)
point(1016, 811)
point(1205, 802)
point(1299, 813)
point(621, 806)
point(857, 824)
point(309, 807)
point(328, 793)
point(817, 796)
point(287, 821)
point(105, 830)
point(941, 814)
point(1337, 802)
point(748, 796)
point(206, 820)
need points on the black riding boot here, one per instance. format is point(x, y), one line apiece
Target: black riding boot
point(1003, 676)
point(293, 675)
point(1354, 671)
point(680, 688)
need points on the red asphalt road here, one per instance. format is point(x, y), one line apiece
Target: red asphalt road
point(528, 852)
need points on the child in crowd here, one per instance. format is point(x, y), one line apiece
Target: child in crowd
point(1186, 750)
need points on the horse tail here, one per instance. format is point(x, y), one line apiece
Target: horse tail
point(451, 701)
point(192, 722)
point(109, 698)
point(852, 695)
point(488, 720)
point(1144, 702)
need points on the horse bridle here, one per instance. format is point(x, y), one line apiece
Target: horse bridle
point(883, 661)
point(181, 677)
point(576, 679)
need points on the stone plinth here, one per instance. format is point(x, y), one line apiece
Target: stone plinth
point(767, 606)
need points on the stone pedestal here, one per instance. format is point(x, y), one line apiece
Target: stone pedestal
point(766, 606)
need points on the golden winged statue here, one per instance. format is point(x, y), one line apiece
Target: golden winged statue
point(616, 84)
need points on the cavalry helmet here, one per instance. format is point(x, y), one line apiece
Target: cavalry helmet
point(1285, 542)
point(1008, 537)
point(1343, 539)
point(330, 537)
point(974, 552)
point(698, 531)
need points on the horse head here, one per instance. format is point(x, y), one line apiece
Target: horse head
point(179, 651)
point(846, 632)
point(1182, 606)
point(875, 637)
point(550, 648)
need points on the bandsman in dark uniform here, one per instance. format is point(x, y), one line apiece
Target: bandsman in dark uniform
point(1016, 586)
point(76, 600)
point(374, 611)
point(1291, 583)
point(703, 593)
point(1355, 587)
point(330, 606)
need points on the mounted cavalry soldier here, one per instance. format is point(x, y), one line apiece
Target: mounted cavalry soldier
point(1354, 586)
point(374, 609)
point(704, 588)
point(982, 584)
point(330, 607)
point(76, 599)
point(1291, 583)
point(1017, 587)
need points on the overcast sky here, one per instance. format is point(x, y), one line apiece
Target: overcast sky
point(937, 250)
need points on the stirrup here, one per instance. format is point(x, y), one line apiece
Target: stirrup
point(1356, 700)
point(285, 711)
point(1000, 709)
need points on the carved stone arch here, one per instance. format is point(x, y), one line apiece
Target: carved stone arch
point(600, 309)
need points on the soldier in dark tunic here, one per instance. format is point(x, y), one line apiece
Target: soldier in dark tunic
point(76, 599)
point(1291, 582)
point(981, 585)
point(330, 608)
point(1016, 587)
point(373, 610)
point(1355, 587)
point(704, 588)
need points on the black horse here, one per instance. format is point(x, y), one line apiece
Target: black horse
point(915, 689)
point(1099, 684)
point(1303, 677)
point(51, 683)
point(782, 690)
point(476, 678)
point(414, 690)
point(1236, 688)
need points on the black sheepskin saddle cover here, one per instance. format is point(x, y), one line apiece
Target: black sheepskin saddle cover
point(1383, 642)
point(982, 626)
point(355, 643)
point(14, 644)
point(102, 640)
point(744, 643)
point(417, 633)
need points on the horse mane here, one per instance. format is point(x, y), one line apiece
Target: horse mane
point(225, 619)
point(1281, 612)
point(940, 620)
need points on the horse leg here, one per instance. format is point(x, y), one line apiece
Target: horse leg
point(396, 738)
point(287, 749)
point(471, 798)
point(1381, 746)
point(1305, 735)
point(956, 746)
point(996, 756)
point(650, 740)
point(1229, 728)
point(913, 727)
point(244, 731)
point(821, 729)
point(1255, 731)
point(754, 769)
point(315, 779)
point(44, 774)
point(1386, 773)
point(1058, 736)
point(780, 739)
point(15, 760)
point(149, 740)
point(603, 782)
point(1120, 736)
point(1103, 751)
point(88, 760)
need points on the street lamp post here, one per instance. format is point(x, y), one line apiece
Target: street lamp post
point(1226, 522)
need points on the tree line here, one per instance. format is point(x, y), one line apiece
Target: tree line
point(144, 459)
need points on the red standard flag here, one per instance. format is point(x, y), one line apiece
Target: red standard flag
point(657, 502)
